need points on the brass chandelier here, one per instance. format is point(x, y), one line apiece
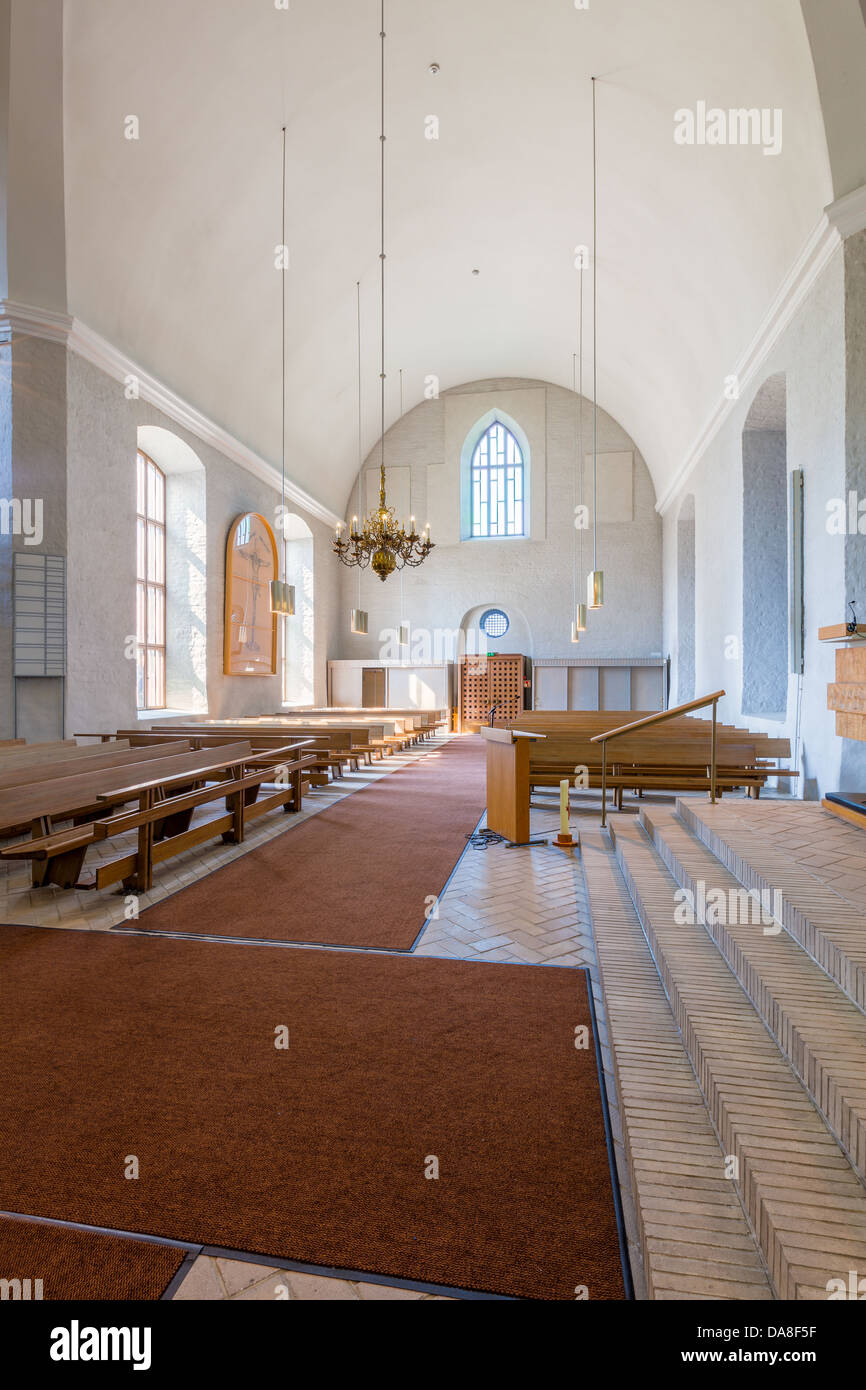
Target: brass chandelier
point(382, 542)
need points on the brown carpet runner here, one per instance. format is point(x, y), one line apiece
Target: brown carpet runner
point(117, 1047)
point(357, 874)
point(54, 1263)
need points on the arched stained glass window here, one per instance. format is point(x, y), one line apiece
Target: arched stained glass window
point(497, 484)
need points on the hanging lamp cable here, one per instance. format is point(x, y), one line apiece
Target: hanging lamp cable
point(594, 335)
point(283, 476)
point(382, 254)
point(360, 426)
point(574, 501)
point(580, 424)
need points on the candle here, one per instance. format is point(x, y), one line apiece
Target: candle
point(563, 808)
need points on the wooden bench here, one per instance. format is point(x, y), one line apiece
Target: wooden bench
point(90, 760)
point(22, 754)
point(667, 751)
point(676, 749)
point(166, 802)
point(36, 774)
point(365, 740)
point(333, 750)
point(424, 722)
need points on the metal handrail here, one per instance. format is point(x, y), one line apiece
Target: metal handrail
point(660, 718)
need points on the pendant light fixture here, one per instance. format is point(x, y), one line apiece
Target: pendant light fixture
point(359, 620)
point(282, 594)
point(595, 581)
point(382, 542)
point(579, 623)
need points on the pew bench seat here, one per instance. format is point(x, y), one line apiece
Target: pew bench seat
point(162, 818)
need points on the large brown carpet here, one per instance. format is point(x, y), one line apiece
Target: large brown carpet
point(164, 1049)
point(83, 1264)
point(357, 874)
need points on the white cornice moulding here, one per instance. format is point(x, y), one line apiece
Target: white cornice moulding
point(102, 354)
point(33, 322)
point(60, 328)
point(848, 214)
point(840, 220)
point(819, 250)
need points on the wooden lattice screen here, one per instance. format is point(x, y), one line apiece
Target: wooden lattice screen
point(491, 680)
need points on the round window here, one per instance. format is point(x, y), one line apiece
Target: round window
point(494, 622)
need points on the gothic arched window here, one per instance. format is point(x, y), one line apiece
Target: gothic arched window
point(497, 479)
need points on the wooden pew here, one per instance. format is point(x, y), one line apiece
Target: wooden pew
point(166, 802)
point(63, 793)
point(365, 739)
point(388, 731)
point(332, 750)
point(102, 756)
point(20, 755)
point(424, 720)
point(669, 751)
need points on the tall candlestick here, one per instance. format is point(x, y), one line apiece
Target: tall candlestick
point(563, 808)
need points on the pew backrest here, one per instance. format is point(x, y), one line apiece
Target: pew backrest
point(61, 797)
point(122, 757)
point(36, 752)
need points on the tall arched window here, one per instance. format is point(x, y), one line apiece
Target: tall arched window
point(497, 484)
point(150, 586)
point(299, 633)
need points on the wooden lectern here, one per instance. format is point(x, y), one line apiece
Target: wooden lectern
point(508, 782)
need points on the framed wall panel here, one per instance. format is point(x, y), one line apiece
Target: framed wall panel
point(250, 626)
point(599, 683)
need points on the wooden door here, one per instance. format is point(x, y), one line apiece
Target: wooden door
point(373, 687)
point(486, 681)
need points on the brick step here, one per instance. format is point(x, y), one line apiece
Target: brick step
point(695, 1240)
point(804, 1201)
point(825, 923)
point(820, 1031)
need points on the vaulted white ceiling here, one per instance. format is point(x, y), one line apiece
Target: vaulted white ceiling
point(171, 238)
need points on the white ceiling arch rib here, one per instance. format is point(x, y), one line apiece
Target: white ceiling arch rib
point(171, 237)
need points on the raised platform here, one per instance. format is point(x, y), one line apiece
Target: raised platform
point(769, 1010)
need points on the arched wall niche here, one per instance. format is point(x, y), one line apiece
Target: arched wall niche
point(686, 600)
point(475, 642)
point(765, 552)
point(185, 567)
